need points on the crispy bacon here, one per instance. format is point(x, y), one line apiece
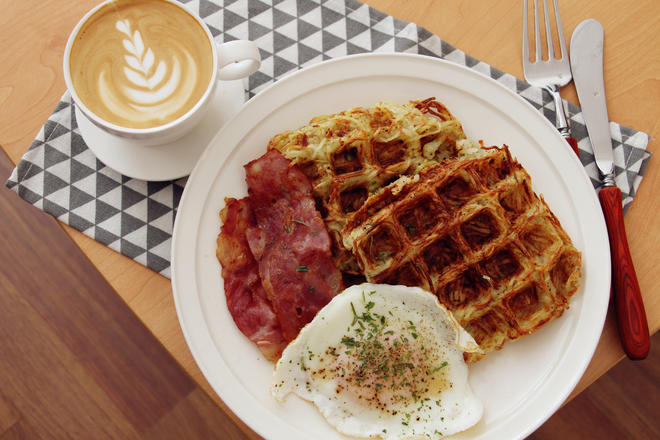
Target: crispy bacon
point(247, 301)
point(290, 242)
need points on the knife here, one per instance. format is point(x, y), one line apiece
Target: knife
point(587, 66)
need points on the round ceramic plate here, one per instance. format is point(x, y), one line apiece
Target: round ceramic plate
point(521, 385)
point(171, 160)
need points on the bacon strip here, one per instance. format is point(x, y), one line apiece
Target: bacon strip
point(247, 301)
point(290, 242)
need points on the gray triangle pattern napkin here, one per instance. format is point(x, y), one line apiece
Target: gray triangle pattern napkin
point(60, 175)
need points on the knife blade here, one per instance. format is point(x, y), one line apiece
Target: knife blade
point(586, 55)
point(587, 67)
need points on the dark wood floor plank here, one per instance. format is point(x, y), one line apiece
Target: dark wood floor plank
point(20, 431)
point(47, 385)
point(8, 414)
point(622, 404)
point(196, 415)
point(637, 397)
point(587, 423)
point(635, 418)
point(65, 289)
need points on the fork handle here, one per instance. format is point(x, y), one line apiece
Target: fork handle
point(561, 122)
point(631, 317)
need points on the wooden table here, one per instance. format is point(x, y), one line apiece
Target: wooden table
point(34, 34)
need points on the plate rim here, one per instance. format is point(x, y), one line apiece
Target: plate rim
point(184, 311)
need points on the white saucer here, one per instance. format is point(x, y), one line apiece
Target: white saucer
point(169, 161)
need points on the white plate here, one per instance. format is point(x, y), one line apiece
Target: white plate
point(522, 385)
point(168, 161)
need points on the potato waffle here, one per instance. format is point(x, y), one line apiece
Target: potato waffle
point(353, 154)
point(473, 232)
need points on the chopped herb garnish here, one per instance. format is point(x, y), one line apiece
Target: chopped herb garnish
point(355, 315)
point(311, 289)
point(301, 222)
point(347, 341)
point(380, 358)
point(287, 228)
point(302, 268)
point(442, 365)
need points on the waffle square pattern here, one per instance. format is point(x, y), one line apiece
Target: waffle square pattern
point(409, 200)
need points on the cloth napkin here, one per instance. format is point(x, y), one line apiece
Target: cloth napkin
point(60, 175)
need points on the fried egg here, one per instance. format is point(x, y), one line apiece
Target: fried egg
point(383, 361)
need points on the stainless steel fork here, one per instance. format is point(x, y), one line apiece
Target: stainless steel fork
point(550, 74)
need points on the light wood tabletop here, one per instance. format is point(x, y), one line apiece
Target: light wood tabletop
point(34, 34)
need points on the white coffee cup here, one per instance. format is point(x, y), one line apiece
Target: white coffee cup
point(230, 61)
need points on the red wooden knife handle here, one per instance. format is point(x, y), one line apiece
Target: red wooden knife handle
point(573, 143)
point(631, 317)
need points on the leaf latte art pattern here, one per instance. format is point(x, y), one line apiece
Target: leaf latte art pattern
point(139, 70)
point(141, 63)
point(158, 91)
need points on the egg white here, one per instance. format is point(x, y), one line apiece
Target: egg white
point(383, 361)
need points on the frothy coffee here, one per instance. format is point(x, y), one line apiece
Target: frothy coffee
point(141, 63)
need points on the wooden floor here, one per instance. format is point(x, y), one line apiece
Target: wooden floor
point(75, 363)
point(623, 404)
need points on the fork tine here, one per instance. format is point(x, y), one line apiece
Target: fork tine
point(560, 32)
point(537, 31)
point(548, 33)
point(525, 38)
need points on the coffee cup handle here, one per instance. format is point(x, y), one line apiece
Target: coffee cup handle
point(237, 59)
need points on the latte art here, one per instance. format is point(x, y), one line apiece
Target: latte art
point(141, 64)
point(150, 92)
